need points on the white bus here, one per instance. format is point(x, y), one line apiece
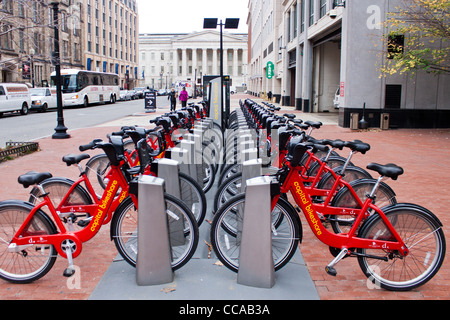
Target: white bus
point(80, 87)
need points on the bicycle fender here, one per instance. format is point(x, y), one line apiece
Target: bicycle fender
point(406, 205)
point(296, 215)
point(399, 206)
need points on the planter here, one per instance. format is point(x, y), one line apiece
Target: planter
point(18, 148)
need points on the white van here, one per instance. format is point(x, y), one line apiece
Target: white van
point(337, 97)
point(14, 97)
point(43, 99)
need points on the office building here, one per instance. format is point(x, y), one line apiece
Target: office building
point(327, 56)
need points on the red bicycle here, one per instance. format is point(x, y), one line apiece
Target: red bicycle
point(398, 247)
point(98, 167)
point(31, 239)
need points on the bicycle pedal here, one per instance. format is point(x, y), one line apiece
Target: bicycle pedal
point(83, 223)
point(68, 272)
point(331, 271)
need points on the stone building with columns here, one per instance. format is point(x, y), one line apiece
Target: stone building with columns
point(168, 59)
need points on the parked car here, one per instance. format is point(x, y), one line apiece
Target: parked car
point(14, 97)
point(134, 94)
point(162, 92)
point(140, 92)
point(43, 99)
point(125, 95)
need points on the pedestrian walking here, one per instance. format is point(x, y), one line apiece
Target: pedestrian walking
point(172, 97)
point(184, 97)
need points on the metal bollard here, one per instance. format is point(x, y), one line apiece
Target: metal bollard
point(248, 154)
point(194, 164)
point(168, 170)
point(153, 264)
point(250, 169)
point(256, 266)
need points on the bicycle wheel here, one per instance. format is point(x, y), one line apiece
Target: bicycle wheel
point(124, 231)
point(344, 199)
point(30, 263)
point(351, 173)
point(423, 235)
point(228, 170)
point(228, 189)
point(333, 162)
point(208, 173)
point(225, 234)
point(58, 188)
point(193, 196)
point(97, 169)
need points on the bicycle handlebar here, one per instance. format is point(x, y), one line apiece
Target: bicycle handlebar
point(91, 145)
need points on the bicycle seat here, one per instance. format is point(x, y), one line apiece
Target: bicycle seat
point(358, 145)
point(338, 143)
point(314, 124)
point(71, 159)
point(289, 115)
point(32, 178)
point(388, 170)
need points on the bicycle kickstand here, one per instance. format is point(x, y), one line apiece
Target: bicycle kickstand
point(330, 267)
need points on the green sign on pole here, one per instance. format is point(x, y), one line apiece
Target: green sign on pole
point(270, 70)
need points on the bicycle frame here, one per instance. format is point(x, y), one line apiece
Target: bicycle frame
point(101, 212)
point(301, 195)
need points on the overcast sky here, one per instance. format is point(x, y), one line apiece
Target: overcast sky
point(177, 16)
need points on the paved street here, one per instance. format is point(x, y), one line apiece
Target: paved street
point(15, 127)
point(422, 153)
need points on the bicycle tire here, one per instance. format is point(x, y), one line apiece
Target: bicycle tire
point(351, 173)
point(79, 195)
point(385, 196)
point(208, 173)
point(333, 162)
point(58, 188)
point(96, 169)
point(229, 188)
point(226, 245)
point(193, 196)
point(228, 170)
point(422, 233)
point(124, 231)
point(36, 260)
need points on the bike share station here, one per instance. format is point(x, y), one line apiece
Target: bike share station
point(204, 277)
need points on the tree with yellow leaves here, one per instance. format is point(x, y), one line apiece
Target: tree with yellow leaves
point(418, 37)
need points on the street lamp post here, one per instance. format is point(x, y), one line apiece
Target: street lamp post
point(32, 52)
point(60, 130)
point(230, 23)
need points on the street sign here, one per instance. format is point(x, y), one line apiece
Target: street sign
point(150, 101)
point(270, 70)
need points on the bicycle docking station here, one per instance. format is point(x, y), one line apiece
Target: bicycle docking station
point(153, 264)
point(168, 170)
point(256, 266)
